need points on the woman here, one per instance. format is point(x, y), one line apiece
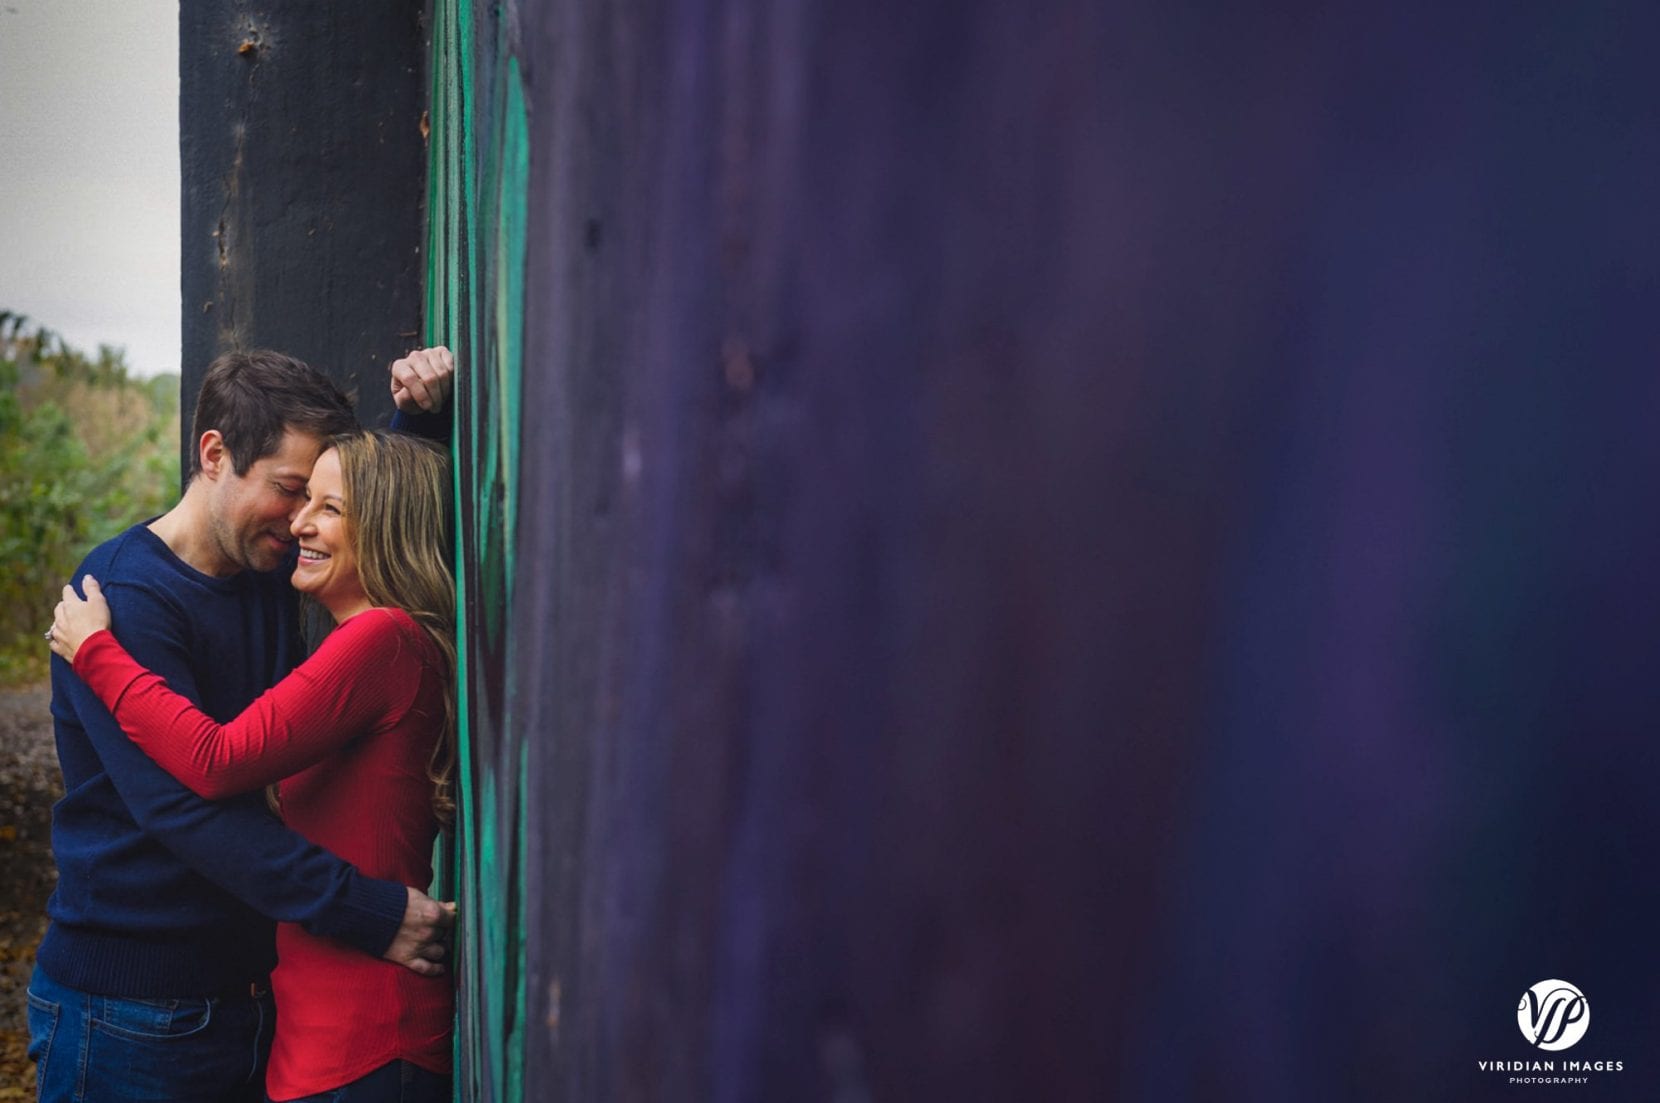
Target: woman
point(360, 738)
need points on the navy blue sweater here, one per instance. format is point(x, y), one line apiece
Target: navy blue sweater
point(161, 893)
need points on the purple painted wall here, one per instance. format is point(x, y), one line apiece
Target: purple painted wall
point(1068, 551)
point(1077, 552)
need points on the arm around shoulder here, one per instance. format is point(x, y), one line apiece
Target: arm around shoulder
point(236, 844)
point(334, 696)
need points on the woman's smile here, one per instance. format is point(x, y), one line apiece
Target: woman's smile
point(327, 569)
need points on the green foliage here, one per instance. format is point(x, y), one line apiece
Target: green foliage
point(85, 451)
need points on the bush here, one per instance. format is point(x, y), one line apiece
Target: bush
point(85, 451)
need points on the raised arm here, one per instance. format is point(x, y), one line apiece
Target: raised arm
point(421, 386)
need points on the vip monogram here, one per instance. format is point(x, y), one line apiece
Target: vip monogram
point(1553, 1015)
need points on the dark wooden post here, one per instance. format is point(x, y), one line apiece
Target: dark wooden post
point(304, 176)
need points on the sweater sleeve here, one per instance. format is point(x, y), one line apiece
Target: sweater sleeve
point(347, 688)
point(438, 427)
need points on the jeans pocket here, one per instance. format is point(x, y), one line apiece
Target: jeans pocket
point(151, 1020)
point(179, 1050)
point(43, 1024)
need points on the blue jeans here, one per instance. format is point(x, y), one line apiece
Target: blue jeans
point(398, 1082)
point(104, 1049)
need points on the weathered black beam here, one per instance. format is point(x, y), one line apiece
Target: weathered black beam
point(303, 170)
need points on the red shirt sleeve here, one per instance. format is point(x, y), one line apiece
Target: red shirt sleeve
point(366, 671)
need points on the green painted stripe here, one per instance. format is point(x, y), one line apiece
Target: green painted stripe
point(514, 181)
point(474, 299)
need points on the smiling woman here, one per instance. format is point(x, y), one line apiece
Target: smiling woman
point(327, 567)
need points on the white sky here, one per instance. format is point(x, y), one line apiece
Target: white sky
point(89, 173)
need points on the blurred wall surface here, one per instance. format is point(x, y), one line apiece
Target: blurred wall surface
point(1041, 550)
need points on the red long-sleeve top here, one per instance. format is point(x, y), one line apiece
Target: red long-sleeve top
point(349, 733)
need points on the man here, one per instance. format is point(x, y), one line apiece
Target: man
point(149, 983)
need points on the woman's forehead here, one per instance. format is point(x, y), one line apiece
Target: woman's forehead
point(327, 467)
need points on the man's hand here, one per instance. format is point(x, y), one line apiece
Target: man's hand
point(421, 381)
point(419, 946)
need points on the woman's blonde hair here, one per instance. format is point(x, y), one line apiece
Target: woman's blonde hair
point(398, 519)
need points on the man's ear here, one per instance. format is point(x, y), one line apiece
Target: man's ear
point(214, 456)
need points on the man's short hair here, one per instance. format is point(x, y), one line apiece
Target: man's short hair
point(255, 396)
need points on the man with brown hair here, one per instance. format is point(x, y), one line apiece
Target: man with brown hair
point(149, 983)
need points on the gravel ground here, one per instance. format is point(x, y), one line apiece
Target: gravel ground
point(29, 784)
